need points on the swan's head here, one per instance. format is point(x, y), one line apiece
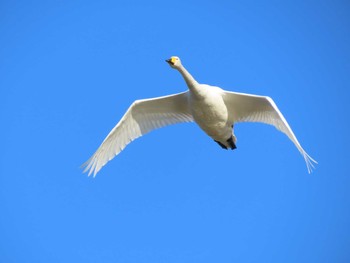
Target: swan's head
point(174, 62)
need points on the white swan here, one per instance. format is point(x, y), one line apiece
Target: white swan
point(212, 108)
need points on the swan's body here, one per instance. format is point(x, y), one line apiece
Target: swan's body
point(212, 108)
point(210, 112)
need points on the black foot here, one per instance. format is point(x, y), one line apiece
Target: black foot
point(222, 146)
point(231, 143)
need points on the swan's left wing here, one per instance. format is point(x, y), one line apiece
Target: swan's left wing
point(142, 117)
point(253, 108)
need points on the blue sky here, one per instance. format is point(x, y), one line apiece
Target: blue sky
point(70, 69)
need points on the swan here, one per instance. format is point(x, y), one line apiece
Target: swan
point(215, 110)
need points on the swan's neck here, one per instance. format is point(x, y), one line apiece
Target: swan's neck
point(190, 81)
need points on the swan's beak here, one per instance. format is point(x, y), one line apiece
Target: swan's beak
point(170, 61)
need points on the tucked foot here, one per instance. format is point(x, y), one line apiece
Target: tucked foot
point(222, 145)
point(231, 143)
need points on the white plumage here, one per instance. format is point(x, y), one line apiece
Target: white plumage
point(212, 108)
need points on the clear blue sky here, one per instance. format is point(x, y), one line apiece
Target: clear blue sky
point(70, 69)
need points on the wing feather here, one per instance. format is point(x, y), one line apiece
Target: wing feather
point(142, 117)
point(253, 108)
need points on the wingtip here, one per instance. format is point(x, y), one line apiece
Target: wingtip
point(89, 167)
point(310, 163)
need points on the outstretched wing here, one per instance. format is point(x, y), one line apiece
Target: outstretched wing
point(253, 108)
point(142, 117)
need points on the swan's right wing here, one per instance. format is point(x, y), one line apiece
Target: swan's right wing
point(253, 108)
point(142, 117)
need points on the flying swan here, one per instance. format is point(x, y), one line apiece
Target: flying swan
point(212, 108)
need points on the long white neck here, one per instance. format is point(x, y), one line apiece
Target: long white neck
point(190, 81)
